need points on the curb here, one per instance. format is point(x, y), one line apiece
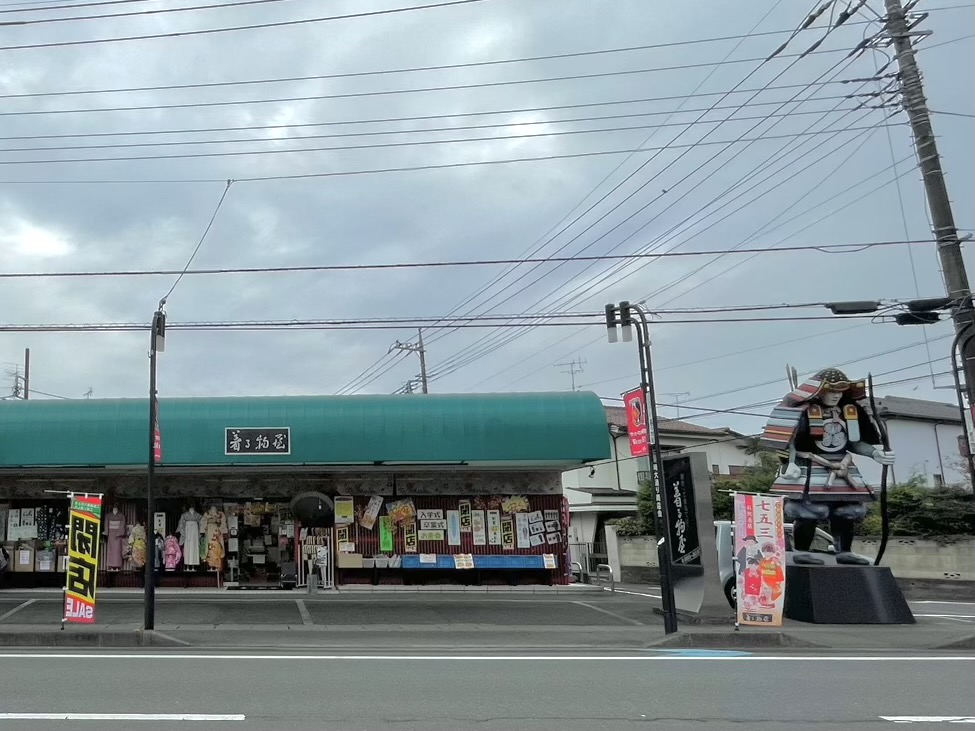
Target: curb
point(732, 640)
point(965, 643)
point(58, 638)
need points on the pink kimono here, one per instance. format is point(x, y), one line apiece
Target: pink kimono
point(172, 554)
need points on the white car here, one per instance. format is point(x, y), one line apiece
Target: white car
point(822, 543)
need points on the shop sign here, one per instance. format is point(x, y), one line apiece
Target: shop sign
point(401, 511)
point(84, 533)
point(156, 436)
point(548, 561)
point(440, 525)
point(386, 534)
point(463, 561)
point(429, 515)
point(342, 535)
point(685, 546)
point(453, 527)
point(257, 440)
point(344, 510)
point(430, 535)
point(760, 559)
point(409, 537)
point(465, 516)
point(369, 515)
point(507, 533)
point(636, 423)
point(478, 528)
point(521, 529)
point(494, 527)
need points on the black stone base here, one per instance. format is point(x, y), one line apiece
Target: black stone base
point(844, 595)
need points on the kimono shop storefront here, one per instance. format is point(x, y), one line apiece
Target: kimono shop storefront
point(256, 492)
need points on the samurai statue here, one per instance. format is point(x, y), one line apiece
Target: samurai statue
point(817, 428)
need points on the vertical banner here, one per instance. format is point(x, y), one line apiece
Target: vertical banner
point(386, 534)
point(685, 544)
point(369, 515)
point(636, 423)
point(84, 531)
point(521, 530)
point(409, 537)
point(507, 533)
point(760, 559)
point(156, 436)
point(494, 527)
point(453, 527)
point(465, 516)
point(478, 528)
point(344, 510)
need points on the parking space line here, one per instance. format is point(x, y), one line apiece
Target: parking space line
point(611, 614)
point(303, 611)
point(16, 609)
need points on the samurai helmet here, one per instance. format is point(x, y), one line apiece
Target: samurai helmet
point(827, 380)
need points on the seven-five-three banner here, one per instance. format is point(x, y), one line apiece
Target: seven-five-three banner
point(84, 526)
point(760, 559)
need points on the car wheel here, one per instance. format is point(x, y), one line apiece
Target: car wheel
point(731, 592)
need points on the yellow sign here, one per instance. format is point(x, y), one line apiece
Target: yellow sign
point(84, 531)
point(344, 510)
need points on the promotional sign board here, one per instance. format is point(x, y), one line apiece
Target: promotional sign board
point(344, 510)
point(636, 423)
point(760, 559)
point(84, 532)
point(685, 544)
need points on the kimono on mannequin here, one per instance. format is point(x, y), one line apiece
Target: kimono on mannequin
point(115, 534)
point(214, 529)
point(137, 544)
point(172, 553)
point(190, 528)
point(817, 428)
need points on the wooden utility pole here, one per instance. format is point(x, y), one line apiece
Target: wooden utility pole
point(949, 245)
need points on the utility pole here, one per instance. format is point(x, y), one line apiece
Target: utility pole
point(574, 366)
point(942, 219)
point(419, 350)
point(26, 373)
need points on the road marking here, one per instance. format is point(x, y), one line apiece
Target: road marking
point(966, 618)
point(122, 717)
point(303, 611)
point(16, 609)
point(936, 601)
point(609, 613)
point(507, 658)
point(929, 719)
point(633, 593)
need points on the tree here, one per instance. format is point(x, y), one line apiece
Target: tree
point(757, 478)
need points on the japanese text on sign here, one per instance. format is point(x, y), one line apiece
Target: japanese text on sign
point(83, 534)
point(260, 440)
point(759, 559)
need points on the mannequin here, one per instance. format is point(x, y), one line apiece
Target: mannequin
point(172, 553)
point(189, 531)
point(115, 532)
point(137, 544)
point(214, 529)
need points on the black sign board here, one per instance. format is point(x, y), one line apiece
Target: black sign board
point(258, 440)
point(685, 544)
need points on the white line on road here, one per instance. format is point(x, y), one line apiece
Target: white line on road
point(937, 601)
point(303, 611)
point(633, 593)
point(122, 717)
point(507, 658)
point(929, 719)
point(16, 609)
point(609, 613)
point(956, 617)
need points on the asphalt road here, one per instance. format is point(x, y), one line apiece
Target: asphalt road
point(652, 690)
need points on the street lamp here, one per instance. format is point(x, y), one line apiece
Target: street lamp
point(157, 344)
point(622, 316)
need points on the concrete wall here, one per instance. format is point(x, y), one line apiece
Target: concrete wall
point(908, 558)
point(923, 448)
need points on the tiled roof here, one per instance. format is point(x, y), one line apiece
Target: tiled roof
point(912, 408)
point(616, 416)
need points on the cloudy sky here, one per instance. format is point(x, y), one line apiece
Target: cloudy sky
point(738, 154)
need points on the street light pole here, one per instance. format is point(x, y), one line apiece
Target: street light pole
point(653, 463)
point(157, 344)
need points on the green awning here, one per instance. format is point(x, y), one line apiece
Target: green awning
point(492, 430)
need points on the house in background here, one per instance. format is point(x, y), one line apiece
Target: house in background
point(606, 490)
point(929, 439)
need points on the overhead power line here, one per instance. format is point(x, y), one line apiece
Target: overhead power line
point(133, 13)
point(236, 28)
point(850, 248)
point(39, 7)
point(391, 92)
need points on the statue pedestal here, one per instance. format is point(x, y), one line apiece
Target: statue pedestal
point(836, 594)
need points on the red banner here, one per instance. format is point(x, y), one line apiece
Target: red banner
point(156, 438)
point(636, 423)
